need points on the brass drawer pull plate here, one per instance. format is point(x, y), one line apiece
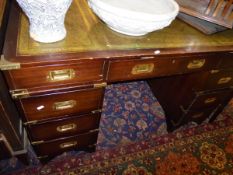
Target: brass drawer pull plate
point(224, 80)
point(210, 100)
point(197, 115)
point(58, 106)
point(68, 144)
point(61, 75)
point(19, 93)
point(66, 128)
point(142, 68)
point(195, 64)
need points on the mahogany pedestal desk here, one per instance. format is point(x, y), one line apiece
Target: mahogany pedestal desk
point(59, 87)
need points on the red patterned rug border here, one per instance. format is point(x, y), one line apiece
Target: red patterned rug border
point(82, 162)
point(144, 153)
point(119, 155)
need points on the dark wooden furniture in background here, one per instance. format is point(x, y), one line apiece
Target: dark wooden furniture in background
point(202, 25)
point(215, 11)
point(13, 141)
point(59, 87)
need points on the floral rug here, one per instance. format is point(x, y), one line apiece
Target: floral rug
point(202, 150)
point(130, 113)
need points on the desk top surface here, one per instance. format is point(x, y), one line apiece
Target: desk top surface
point(86, 34)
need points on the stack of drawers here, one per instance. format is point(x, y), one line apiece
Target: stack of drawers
point(60, 104)
point(59, 98)
point(198, 96)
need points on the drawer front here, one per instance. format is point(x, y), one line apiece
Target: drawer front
point(202, 101)
point(53, 147)
point(87, 71)
point(62, 104)
point(147, 68)
point(64, 127)
point(219, 79)
point(227, 61)
point(198, 116)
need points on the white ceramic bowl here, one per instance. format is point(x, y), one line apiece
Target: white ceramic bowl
point(135, 17)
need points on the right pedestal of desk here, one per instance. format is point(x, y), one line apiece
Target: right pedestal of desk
point(194, 97)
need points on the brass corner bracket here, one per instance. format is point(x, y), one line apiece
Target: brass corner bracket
point(7, 65)
point(19, 93)
point(100, 85)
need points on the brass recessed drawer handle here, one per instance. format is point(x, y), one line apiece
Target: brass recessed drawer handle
point(198, 115)
point(61, 75)
point(224, 80)
point(183, 110)
point(57, 106)
point(210, 100)
point(143, 68)
point(66, 128)
point(68, 144)
point(195, 64)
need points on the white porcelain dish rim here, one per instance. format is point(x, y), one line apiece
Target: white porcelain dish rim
point(135, 15)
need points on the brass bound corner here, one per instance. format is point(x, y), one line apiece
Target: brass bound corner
point(100, 85)
point(19, 93)
point(7, 65)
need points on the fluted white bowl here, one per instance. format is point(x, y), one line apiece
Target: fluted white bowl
point(135, 17)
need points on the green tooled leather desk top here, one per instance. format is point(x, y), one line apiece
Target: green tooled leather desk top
point(85, 32)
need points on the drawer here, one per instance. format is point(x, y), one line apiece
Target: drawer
point(147, 68)
point(64, 127)
point(54, 147)
point(62, 104)
point(207, 100)
point(227, 61)
point(219, 79)
point(83, 72)
point(198, 116)
point(183, 117)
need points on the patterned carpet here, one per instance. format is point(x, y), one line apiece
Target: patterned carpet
point(133, 140)
point(130, 113)
point(202, 150)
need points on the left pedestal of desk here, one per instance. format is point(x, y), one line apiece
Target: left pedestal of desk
point(13, 140)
